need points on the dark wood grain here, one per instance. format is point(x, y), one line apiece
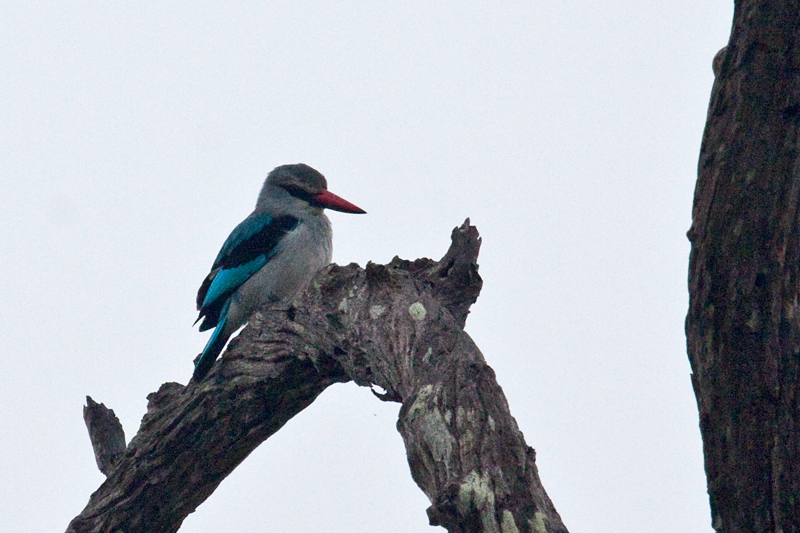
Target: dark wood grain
point(742, 329)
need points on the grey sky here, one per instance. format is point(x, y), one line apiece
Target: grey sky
point(133, 139)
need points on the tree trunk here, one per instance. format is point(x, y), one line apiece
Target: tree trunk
point(743, 325)
point(398, 326)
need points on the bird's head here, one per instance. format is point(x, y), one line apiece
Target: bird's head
point(296, 188)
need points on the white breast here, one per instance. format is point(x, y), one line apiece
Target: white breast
point(298, 257)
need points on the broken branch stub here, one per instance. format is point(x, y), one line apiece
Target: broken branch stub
point(106, 434)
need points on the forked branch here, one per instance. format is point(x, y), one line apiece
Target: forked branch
point(398, 326)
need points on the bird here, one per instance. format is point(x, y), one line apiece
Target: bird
point(270, 256)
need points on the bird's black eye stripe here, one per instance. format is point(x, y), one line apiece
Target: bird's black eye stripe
point(299, 192)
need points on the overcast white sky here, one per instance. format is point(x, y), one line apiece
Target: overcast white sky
point(134, 138)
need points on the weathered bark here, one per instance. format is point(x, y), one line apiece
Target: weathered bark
point(398, 326)
point(743, 325)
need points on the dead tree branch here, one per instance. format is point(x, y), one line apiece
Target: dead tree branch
point(398, 326)
point(743, 324)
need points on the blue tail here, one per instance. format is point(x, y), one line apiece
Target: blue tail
point(213, 347)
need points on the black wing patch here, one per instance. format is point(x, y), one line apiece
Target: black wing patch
point(255, 236)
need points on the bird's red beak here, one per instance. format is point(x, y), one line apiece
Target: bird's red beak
point(331, 201)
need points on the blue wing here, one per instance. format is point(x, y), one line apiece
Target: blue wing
point(248, 248)
point(228, 280)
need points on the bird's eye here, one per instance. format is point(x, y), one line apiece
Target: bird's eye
point(298, 192)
